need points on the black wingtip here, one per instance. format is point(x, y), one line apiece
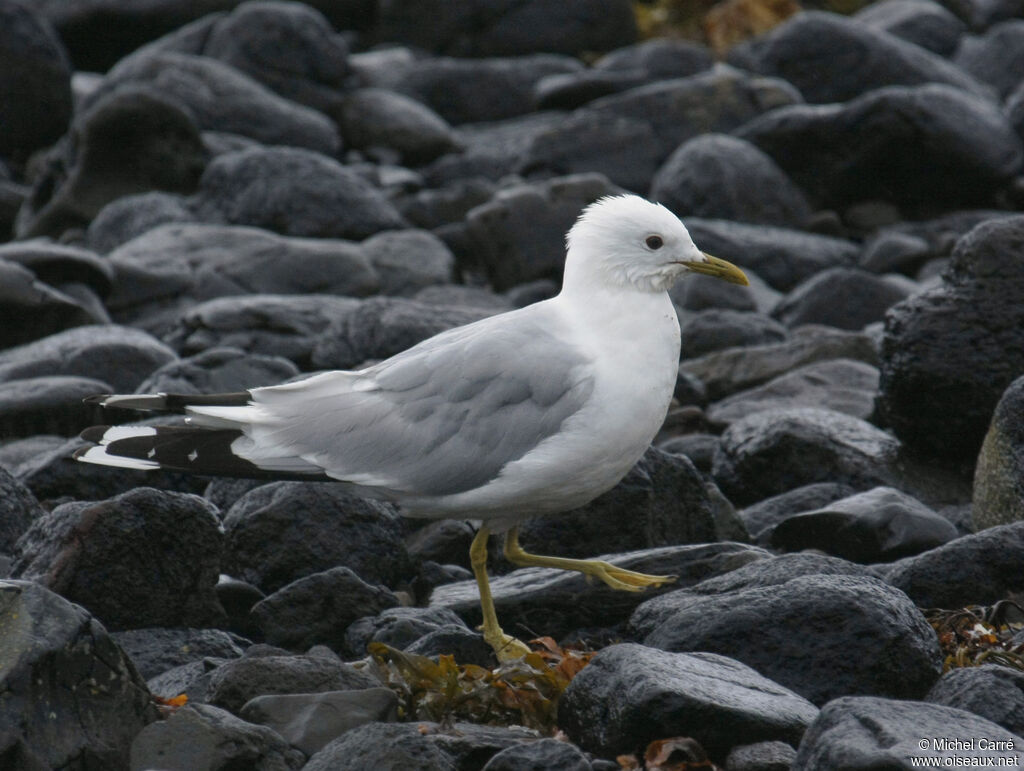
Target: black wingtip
point(93, 434)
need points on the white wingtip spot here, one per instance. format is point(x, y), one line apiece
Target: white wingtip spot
point(99, 456)
point(115, 433)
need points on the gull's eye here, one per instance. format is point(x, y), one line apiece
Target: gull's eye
point(654, 242)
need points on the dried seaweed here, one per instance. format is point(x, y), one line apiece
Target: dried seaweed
point(522, 692)
point(976, 635)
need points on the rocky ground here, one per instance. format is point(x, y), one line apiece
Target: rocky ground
point(195, 202)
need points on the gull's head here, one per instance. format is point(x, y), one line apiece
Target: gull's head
point(629, 241)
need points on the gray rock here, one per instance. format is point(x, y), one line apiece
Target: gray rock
point(202, 737)
point(383, 326)
point(770, 452)
point(846, 298)
point(833, 59)
point(997, 57)
point(557, 602)
point(65, 268)
point(195, 262)
point(781, 256)
point(292, 191)
point(436, 207)
point(48, 405)
point(465, 646)
point(501, 29)
point(156, 650)
point(994, 692)
point(442, 540)
point(236, 682)
point(35, 90)
point(72, 698)
point(407, 261)
point(518, 235)
point(630, 695)
point(398, 627)
point(949, 352)
point(375, 117)
point(127, 141)
point(731, 370)
point(218, 370)
point(977, 569)
point(840, 621)
point(543, 753)
point(879, 525)
point(130, 216)
point(268, 541)
point(660, 58)
point(999, 474)
point(419, 746)
point(718, 176)
point(895, 252)
point(904, 140)
point(18, 510)
point(318, 608)
point(762, 756)
point(570, 90)
point(764, 515)
point(472, 90)
point(309, 721)
point(861, 733)
point(144, 558)
point(120, 356)
point(922, 22)
point(699, 448)
point(843, 385)
point(191, 679)
point(265, 324)
point(716, 329)
point(220, 97)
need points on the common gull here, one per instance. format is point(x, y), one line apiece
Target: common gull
point(534, 411)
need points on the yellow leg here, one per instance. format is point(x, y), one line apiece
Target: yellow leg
point(506, 647)
point(614, 576)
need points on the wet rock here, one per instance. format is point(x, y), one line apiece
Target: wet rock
point(263, 324)
point(383, 326)
point(95, 701)
point(283, 531)
point(833, 59)
point(309, 721)
point(879, 525)
point(840, 621)
point(991, 691)
point(862, 732)
point(717, 176)
point(770, 452)
point(35, 89)
point(294, 192)
point(999, 475)
point(950, 352)
point(377, 118)
point(125, 142)
point(977, 569)
point(781, 256)
point(236, 682)
point(846, 298)
point(730, 370)
point(465, 646)
point(317, 609)
point(630, 695)
point(156, 650)
point(501, 29)
point(144, 558)
point(921, 22)
point(399, 627)
point(120, 356)
point(556, 602)
point(842, 385)
point(200, 737)
point(905, 140)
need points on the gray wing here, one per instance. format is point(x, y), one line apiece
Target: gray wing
point(441, 418)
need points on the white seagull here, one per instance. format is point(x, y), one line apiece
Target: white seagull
point(534, 411)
